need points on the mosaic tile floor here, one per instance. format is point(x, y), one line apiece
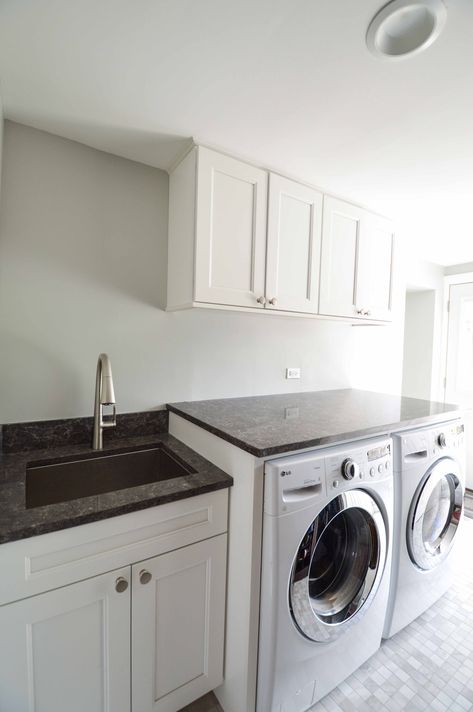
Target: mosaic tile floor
point(427, 666)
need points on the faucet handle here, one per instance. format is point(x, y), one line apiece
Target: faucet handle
point(110, 420)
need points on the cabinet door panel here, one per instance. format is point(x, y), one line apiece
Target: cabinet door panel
point(342, 224)
point(375, 267)
point(178, 626)
point(67, 649)
point(230, 231)
point(293, 253)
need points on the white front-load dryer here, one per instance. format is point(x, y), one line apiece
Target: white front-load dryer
point(429, 482)
point(327, 531)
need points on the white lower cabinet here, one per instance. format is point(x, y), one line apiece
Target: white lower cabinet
point(145, 637)
point(178, 611)
point(68, 649)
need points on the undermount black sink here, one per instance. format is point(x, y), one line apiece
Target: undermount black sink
point(62, 481)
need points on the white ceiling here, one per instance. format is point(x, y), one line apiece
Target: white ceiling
point(288, 84)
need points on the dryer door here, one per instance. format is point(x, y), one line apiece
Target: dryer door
point(338, 566)
point(435, 513)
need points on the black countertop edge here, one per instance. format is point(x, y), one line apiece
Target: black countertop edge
point(250, 419)
point(35, 530)
point(18, 522)
point(258, 452)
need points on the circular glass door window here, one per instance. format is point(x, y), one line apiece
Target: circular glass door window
point(435, 514)
point(337, 566)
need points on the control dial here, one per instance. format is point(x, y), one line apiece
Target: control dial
point(350, 469)
point(442, 440)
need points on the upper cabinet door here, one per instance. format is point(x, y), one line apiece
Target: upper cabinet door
point(230, 247)
point(293, 250)
point(342, 225)
point(374, 281)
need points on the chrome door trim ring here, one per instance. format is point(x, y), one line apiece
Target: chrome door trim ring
point(306, 620)
point(426, 558)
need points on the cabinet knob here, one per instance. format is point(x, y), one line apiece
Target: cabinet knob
point(261, 300)
point(273, 301)
point(368, 312)
point(145, 576)
point(361, 312)
point(121, 584)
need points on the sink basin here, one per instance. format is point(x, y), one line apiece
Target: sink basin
point(62, 481)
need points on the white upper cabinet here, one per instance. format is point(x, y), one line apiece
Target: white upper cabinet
point(293, 247)
point(375, 268)
point(234, 243)
point(356, 266)
point(230, 231)
point(217, 231)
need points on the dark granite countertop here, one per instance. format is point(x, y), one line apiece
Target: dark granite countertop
point(268, 425)
point(18, 522)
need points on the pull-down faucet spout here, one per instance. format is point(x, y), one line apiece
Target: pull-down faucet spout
point(104, 395)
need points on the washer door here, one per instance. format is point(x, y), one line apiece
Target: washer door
point(338, 566)
point(435, 514)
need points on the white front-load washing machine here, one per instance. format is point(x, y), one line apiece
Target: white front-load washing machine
point(429, 484)
point(327, 529)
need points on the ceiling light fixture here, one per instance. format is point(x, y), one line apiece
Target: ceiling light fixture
point(405, 27)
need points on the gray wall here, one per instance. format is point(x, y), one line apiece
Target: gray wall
point(83, 239)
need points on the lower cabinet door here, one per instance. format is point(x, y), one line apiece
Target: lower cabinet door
point(68, 649)
point(178, 620)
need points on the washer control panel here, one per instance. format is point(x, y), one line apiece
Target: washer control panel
point(309, 478)
point(368, 463)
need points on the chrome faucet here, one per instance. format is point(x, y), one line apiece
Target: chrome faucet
point(104, 395)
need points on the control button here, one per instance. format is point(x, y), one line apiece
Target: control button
point(442, 440)
point(372, 472)
point(380, 469)
point(386, 466)
point(335, 484)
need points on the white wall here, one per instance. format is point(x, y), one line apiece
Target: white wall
point(418, 344)
point(422, 358)
point(1, 139)
point(83, 240)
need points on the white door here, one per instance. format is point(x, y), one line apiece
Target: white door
point(293, 251)
point(230, 249)
point(178, 624)
point(459, 367)
point(68, 649)
point(342, 224)
point(374, 269)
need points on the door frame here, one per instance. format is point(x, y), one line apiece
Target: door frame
point(448, 281)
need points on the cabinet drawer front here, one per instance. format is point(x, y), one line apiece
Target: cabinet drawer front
point(52, 560)
point(230, 231)
point(68, 649)
point(178, 621)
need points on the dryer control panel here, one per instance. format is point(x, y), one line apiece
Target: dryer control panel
point(428, 444)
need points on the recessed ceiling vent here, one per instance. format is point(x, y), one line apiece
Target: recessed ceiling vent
point(404, 27)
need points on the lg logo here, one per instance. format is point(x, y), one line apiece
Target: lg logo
point(285, 473)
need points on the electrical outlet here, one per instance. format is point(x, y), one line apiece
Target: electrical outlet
point(293, 372)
